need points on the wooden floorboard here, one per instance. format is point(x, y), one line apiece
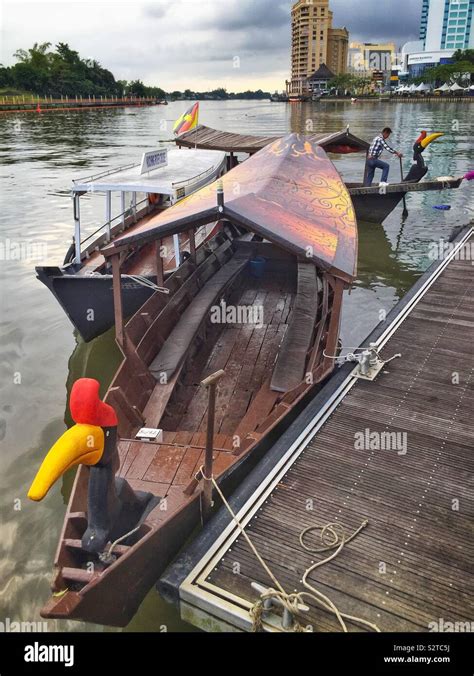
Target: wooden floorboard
point(413, 563)
point(247, 354)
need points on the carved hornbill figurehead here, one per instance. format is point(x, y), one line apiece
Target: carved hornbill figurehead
point(419, 168)
point(423, 141)
point(113, 508)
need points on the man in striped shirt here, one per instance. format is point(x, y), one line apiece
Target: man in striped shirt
point(379, 144)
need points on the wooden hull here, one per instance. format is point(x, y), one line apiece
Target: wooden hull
point(80, 295)
point(300, 98)
point(254, 400)
point(373, 207)
point(86, 295)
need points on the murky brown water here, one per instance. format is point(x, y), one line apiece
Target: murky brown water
point(40, 356)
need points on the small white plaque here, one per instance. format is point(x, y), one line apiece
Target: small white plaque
point(154, 160)
point(147, 433)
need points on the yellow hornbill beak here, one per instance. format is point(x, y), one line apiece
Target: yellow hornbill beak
point(82, 444)
point(429, 139)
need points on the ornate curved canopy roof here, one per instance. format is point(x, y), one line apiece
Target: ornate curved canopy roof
point(290, 193)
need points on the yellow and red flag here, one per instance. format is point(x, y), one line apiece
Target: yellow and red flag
point(187, 121)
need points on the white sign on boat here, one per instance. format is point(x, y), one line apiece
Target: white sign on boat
point(154, 160)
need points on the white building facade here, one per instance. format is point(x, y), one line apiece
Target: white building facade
point(446, 26)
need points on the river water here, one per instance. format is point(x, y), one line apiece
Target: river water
point(40, 356)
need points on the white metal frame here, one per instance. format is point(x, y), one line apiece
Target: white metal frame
point(80, 186)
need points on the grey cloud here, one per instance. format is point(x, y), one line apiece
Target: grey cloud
point(158, 9)
point(378, 20)
point(164, 41)
point(236, 15)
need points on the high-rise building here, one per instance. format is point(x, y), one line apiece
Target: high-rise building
point(447, 24)
point(338, 41)
point(314, 43)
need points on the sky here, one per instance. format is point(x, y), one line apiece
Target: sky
point(195, 44)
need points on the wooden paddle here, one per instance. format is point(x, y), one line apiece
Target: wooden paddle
point(405, 210)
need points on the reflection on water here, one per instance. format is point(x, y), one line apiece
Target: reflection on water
point(40, 357)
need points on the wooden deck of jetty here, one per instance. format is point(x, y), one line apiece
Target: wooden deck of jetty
point(412, 564)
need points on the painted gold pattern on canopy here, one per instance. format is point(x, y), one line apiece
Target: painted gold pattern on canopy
point(291, 194)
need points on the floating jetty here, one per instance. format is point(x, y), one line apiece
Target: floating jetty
point(24, 104)
point(409, 568)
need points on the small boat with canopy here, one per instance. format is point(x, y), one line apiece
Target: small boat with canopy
point(214, 362)
point(83, 283)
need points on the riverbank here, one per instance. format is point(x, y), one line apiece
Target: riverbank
point(22, 104)
point(398, 99)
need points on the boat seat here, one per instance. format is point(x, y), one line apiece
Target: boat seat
point(290, 366)
point(181, 337)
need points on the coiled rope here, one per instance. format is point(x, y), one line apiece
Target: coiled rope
point(291, 601)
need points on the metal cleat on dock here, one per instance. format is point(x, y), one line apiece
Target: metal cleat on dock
point(271, 603)
point(368, 359)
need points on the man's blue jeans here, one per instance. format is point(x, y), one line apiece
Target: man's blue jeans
point(372, 165)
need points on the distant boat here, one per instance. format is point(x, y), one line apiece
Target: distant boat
point(300, 98)
point(279, 98)
point(370, 204)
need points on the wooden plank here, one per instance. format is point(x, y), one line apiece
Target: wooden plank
point(290, 367)
point(118, 301)
point(134, 447)
point(174, 350)
point(158, 402)
point(258, 410)
point(165, 464)
point(144, 456)
point(187, 466)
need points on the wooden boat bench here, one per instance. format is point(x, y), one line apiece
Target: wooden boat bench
point(181, 337)
point(291, 363)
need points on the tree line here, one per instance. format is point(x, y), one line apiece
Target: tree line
point(62, 72)
point(43, 71)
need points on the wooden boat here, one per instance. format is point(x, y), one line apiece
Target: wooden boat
point(279, 98)
point(371, 204)
point(300, 98)
point(286, 246)
point(374, 206)
point(83, 284)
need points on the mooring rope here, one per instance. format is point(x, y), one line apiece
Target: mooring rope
point(144, 281)
point(292, 601)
